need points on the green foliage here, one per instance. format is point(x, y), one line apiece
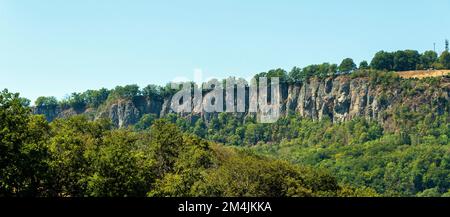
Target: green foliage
point(275, 73)
point(383, 61)
point(23, 169)
point(168, 91)
point(347, 65)
point(409, 60)
point(94, 98)
point(145, 122)
point(245, 174)
point(296, 74)
point(72, 139)
point(321, 71)
point(166, 141)
point(77, 101)
point(153, 91)
point(362, 155)
point(401, 60)
point(363, 65)
point(200, 129)
point(125, 92)
point(75, 157)
point(444, 59)
point(122, 166)
point(406, 60)
point(195, 157)
point(428, 59)
point(368, 159)
point(46, 102)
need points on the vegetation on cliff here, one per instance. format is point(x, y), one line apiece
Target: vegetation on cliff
point(382, 62)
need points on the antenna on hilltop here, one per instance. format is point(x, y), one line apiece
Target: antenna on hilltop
point(434, 47)
point(446, 44)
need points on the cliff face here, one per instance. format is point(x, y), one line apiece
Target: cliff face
point(128, 112)
point(55, 112)
point(339, 99)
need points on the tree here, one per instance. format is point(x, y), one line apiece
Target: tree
point(73, 145)
point(383, 61)
point(192, 163)
point(77, 102)
point(309, 71)
point(364, 65)
point(168, 91)
point(326, 69)
point(296, 74)
point(127, 91)
point(23, 153)
point(427, 59)
point(122, 167)
point(253, 133)
point(243, 174)
point(200, 128)
point(145, 122)
point(347, 65)
point(333, 70)
point(277, 73)
point(94, 98)
point(321, 70)
point(444, 59)
point(274, 73)
point(166, 141)
point(46, 102)
point(152, 91)
point(406, 60)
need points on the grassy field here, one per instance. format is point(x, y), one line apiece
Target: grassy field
point(423, 73)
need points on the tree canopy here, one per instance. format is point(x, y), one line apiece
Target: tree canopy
point(347, 65)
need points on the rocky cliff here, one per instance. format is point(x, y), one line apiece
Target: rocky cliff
point(339, 99)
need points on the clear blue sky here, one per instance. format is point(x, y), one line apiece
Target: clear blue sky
point(55, 47)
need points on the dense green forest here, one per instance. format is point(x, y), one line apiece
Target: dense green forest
point(412, 159)
point(169, 157)
point(76, 157)
point(409, 155)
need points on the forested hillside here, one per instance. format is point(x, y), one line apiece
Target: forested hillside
point(345, 130)
point(75, 157)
